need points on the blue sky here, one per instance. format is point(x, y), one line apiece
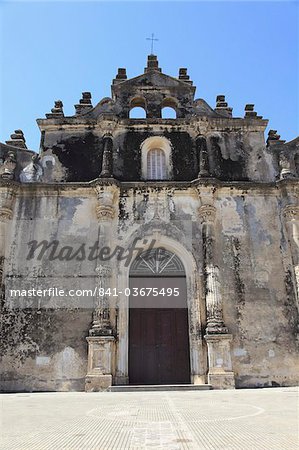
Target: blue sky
point(56, 50)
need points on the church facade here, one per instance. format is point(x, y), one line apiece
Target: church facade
point(149, 251)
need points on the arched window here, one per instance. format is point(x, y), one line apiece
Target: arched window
point(137, 113)
point(168, 113)
point(156, 164)
point(156, 158)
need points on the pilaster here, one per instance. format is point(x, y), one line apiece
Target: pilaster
point(101, 339)
point(291, 218)
point(107, 164)
point(203, 157)
point(7, 199)
point(214, 307)
point(220, 374)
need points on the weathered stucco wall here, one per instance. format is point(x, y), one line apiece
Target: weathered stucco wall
point(44, 345)
point(223, 200)
point(233, 155)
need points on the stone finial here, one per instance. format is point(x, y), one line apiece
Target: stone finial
point(57, 111)
point(58, 107)
point(84, 103)
point(121, 73)
point(273, 137)
point(222, 105)
point(250, 112)
point(249, 107)
point(220, 101)
point(120, 76)
point(17, 139)
point(86, 98)
point(152, 64)
point(183, 75)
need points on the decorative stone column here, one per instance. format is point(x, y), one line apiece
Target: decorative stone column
point(203, 157)
point(101, 339)
point(214, 310)
point(7, 197)
point(291, 216)
point(101, 325)
point(218, 339)
point(107, 163)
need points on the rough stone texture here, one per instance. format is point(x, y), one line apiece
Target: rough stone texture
point(247, 241)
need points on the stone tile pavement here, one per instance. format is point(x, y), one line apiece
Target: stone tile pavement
point(255, 419)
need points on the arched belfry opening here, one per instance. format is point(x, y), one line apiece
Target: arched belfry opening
point(168, 113)
point(138, 112)
point(137, 108)
point(169, 108)
point(158, 320)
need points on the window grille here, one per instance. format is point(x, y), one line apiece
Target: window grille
point(156, 164)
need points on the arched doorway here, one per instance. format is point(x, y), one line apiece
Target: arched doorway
point(158, 320)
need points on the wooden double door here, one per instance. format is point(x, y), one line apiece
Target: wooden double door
point(159, 346)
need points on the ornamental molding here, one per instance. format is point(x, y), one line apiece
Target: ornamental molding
point(291, 212)
point(106, 194)
point(105, 212)
point(108, 135)
point(157, 261)
point(5, 214)
point(207, 213)
point(7, 198)
point(108, 127)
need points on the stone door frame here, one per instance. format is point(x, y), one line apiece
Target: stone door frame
point(195, 303)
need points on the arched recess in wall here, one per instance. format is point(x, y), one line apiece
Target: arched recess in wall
point(137, 108)
point(150, 317)
point(195, 299)
point(156, 159)
point(169, 108)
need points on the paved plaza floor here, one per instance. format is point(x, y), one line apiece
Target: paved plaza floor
point(257, 419)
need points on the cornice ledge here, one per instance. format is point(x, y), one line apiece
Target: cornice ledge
point(9, 183)
point(105, 182)
point(288, 181)
point(243, 185)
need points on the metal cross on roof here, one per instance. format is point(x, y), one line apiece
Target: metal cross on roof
point(152, 43)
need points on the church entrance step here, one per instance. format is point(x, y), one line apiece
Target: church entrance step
point(159, 387)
